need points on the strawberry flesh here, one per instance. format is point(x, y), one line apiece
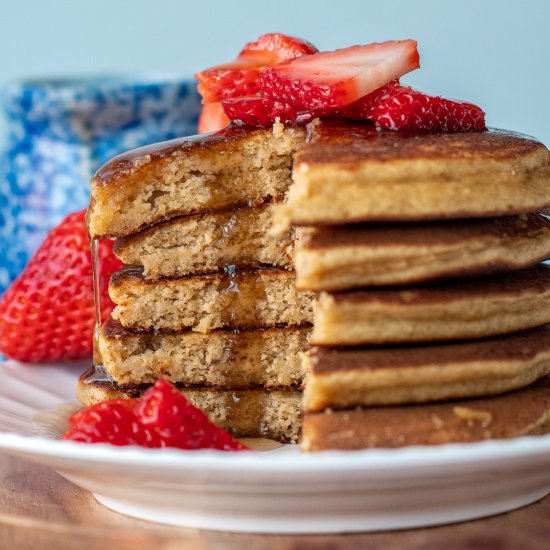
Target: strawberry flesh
point(407, 109)
point(241, 77)
point(212, 118)
point(234, 79)
point(398, 107)
point(262, 111)
point(111, 421)
point(283, 46)
point(330, 80)
point(47, 314)
point(161, 418)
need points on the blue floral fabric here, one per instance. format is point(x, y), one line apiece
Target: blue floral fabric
point(59, 133)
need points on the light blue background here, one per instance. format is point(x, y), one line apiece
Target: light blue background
point(495, 53)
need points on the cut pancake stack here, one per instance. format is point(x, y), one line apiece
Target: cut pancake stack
point(208, 297)
point(425, 251)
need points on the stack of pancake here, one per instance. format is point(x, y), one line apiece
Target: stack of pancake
point(424, 253)
point(425, 250)
point(207, 299)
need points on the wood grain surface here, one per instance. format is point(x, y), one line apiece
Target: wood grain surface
point(41, 510)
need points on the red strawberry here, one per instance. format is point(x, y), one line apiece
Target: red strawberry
point(161, 418)
point(283, 46)
point(398, 107)
point(403, 108)
point(47, 314)
point(262, 111)
point(330, 80)
point(241, 77)
point(168, 415)
point(113, 421)
point(212, 118)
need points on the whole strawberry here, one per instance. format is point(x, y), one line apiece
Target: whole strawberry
point(47, 314)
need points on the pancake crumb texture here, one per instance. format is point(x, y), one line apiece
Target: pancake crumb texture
point(245, 413)
point(220, 358)
point(263, 298)
point(206, 243)
point(145, 186)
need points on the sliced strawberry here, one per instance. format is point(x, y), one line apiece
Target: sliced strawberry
point(241, 77)
point(398, 107)
point(234, 79)
point(161, 418)
point(212, 118)
point(329, 80)
point(262, 111)
point(407, 109)
point(47, 314)
point(113, 421)
point(168, 416)
point(283, 46)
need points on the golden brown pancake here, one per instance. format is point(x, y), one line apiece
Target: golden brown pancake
point(204, 243)
point(447, 311)
point(268, 357)
point(354, 256)
point(245, 412)
point(340, 379)
point(189, 175)
point(352, 172)
point(523, 412)
point(244, 298)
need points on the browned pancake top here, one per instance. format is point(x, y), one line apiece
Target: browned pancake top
point(430, 233)
point(98, 377)
point(130, 161)
point(512, 414)
point(135, 273)
point(532, 280)
point(150, 228)
point(520, 347)
point(346, 144)
point(113, 329)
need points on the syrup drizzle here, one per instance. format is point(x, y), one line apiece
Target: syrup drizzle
point(96, 374)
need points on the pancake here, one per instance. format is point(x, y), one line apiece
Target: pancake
point(244, 298)
point(352, 172)
point(523, 412)
point(345, 257)
point(189, 175)
point(268, 357)
point(450, 311)
point(340, 379)
point(204, 243)
point(251, 412)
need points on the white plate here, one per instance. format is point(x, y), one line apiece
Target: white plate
point(279, 491)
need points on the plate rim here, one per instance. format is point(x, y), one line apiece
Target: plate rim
point(379, 459)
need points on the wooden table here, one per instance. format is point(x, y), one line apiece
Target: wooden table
point(41, 510)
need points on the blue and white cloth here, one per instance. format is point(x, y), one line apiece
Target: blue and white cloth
point(60, 132)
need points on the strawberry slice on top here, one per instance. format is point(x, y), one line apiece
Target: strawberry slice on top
point(398, 107)
point(281, 45)
point(329, 80)
point(241, 77)
point(212, 118)
point(262, 111)
point(403, 108)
